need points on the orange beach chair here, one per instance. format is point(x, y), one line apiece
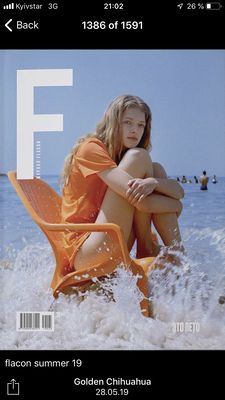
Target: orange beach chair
point(44, 206)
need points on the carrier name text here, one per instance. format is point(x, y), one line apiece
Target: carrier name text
point(24, 6)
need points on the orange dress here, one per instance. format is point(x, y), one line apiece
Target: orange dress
point(83, 196)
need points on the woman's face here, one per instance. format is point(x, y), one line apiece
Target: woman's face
point(133, 125)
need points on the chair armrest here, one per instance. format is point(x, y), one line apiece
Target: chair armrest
point(93, 227)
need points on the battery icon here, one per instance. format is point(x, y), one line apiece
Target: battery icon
point(213, 6)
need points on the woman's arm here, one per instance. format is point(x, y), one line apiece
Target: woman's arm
point(117, 180)
point(169, 187)
point(140, 188)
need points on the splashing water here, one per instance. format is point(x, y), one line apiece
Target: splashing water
point(186, 302)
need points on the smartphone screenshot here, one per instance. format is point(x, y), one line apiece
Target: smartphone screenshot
point(112, 185)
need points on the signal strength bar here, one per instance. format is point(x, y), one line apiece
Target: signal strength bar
point(9, 6)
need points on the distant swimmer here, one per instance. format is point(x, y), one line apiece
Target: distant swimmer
point(196, 179)
point(204, 181)
point(214, 179)
point(184, 179)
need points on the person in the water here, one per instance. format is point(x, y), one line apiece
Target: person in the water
point(196, 179)
point(109, 177)
point(214, 179)
point(204, 181)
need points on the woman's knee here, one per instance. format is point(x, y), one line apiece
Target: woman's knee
point(159, 170)
point(137, 162)
point(137, 153)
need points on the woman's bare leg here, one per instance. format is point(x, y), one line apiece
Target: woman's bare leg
point(135, 224)
point(115, 209)
point(141, 228)
point(143, 234)
point(166, 224)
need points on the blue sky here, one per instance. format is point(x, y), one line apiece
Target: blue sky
point(184, 89)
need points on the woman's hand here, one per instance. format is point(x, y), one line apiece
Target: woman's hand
point(140, 188)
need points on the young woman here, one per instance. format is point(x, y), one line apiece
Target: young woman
point(109, 177)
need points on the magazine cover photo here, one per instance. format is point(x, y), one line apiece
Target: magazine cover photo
point(112, 186)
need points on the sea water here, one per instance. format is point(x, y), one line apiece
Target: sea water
point(188, 306)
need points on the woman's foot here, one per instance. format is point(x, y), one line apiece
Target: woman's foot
point(170, 255)
point(149, 249)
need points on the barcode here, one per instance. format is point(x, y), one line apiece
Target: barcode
point(34, 321)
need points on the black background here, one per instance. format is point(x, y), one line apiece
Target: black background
point(174, 374)
point(164, 26)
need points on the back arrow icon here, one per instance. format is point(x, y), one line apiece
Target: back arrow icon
point(7, 25)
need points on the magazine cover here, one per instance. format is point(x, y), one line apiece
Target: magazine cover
point(112, 178)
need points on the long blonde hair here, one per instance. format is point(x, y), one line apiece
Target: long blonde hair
point(109, 132)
